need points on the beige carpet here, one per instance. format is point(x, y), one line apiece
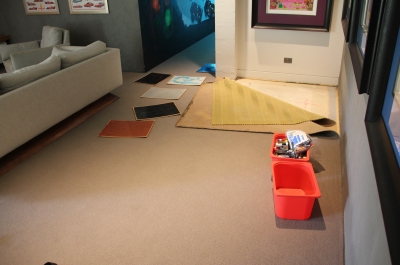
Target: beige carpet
point(179, 196)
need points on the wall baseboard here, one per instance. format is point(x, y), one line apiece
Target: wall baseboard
point(293, 78)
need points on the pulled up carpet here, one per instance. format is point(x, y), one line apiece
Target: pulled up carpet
point(199, 114)
point(237, 104)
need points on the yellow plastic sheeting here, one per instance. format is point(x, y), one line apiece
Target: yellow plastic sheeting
point(237, 104)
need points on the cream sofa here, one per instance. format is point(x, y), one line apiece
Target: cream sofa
point(51, 36)
point(35, 107)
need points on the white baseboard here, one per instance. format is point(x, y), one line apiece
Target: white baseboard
point(284, 77)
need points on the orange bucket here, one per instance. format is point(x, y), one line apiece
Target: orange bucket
point(295, 189)
point(274, 157)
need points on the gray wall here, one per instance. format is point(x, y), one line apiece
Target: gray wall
point(2, 23)
point(118, 29)
point(365, 236)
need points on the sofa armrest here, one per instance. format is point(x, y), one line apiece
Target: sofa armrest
point(7, 50)
point(55, 97)
point(30, 57)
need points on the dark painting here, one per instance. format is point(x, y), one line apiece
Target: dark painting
point(170, 26)
point(153, 78)
point(155, 111)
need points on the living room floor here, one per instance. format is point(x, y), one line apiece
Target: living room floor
point(179, 196)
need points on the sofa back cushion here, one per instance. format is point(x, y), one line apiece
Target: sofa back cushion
point(26, 75)
point(7, 50)
point(51, 36)
point(71, 55)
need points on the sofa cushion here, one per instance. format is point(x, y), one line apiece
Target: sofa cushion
point(8, 66)
point(71, 55)
point(51, 36)
point(26, 75)
point(6, 50)
point(61, 49)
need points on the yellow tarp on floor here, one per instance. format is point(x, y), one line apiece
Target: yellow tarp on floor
point(236, 104)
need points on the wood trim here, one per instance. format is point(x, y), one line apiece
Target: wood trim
point(37, 143)
point(4, 38)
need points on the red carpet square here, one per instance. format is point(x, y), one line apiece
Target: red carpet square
point(127, 129)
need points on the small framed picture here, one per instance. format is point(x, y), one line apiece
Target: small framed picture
point(41, 7)
point(88, 6)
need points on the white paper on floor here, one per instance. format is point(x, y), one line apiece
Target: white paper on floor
point(317, 99)
point(164, 93)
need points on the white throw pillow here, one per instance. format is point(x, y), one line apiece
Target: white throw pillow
point(71, 55)
point(26, 75)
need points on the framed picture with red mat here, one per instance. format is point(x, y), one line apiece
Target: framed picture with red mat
point(309, 15)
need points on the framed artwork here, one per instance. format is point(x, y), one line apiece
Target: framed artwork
point(346, 17)
point(41, 7)
point(396, 94)
point(88, 6)
point(366, 15)
point(382, 121)
point(366, 19)
point(310, 15)
point(391, 105)
point(292, 7)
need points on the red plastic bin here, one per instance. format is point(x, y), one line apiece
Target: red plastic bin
point(295, 189)
point(274, 157)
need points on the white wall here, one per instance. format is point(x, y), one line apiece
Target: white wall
point(365, 237)
point(259, 53)
point(225, 38)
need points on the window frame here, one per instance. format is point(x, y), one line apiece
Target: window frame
point(346, 17)
point(386, 167)
point(363, 64)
